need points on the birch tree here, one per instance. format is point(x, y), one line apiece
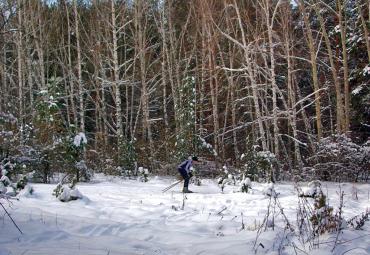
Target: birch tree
point(313, 59)
point(79, 68)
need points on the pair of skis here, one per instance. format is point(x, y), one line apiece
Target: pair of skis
point(171, 186)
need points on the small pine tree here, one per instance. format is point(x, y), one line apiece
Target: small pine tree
point(127, 157)
point(22, 182)
point(245, 184)
point(67, 192)
point(72, 148)
point(323, 220)
point(258, 164)
point(7, 172)
point(46, 130)
point(186, 139)
point(225, 178)
point(143, 174)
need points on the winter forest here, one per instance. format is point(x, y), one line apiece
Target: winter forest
point(273, 96)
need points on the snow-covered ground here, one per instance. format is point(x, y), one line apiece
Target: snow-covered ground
point(129, 217)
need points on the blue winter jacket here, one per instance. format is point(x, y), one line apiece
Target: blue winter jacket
point(186, 165)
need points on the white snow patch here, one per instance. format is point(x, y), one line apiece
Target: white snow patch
point(79, 139)
point(131, 217)
point(366, 70)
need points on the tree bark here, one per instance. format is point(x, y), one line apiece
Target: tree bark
point(20, 71)
point(116, 78)
point(338, 93)
point(313, 58)
point(79, 69)
point(253, 83)
point(343, 35)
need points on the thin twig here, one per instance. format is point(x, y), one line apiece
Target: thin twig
point(339, 220)
point(15, 224)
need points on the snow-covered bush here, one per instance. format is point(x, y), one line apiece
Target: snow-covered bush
point(235, 178)
point(196, 181)
point(259, 165)
point(206, 146)
point(313, 188)
point(270, 191)
point(358, 221)
point(143, 174)
point(22, 182)
point(186, 138)
point(4, 182)
point(339, 159)
point(316, 217)
point(323, 218)
point(124, 172)
point(225, 178)
point(127, 158)
point(27, 191)
point(48, 130)
point(8, 134)
point(6, 185)
point(110, 168)
point(245, 184)
point(67, 192)
point(8, 142)
point(85, 173)
point(72, 151)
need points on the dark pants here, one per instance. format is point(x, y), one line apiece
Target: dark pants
point(186, 176)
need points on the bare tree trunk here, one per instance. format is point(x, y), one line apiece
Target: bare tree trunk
point(132, 121)
point(305, 117)
point(290, 86)
point(269, 25)
point(311, 45)
point(338, 93)
point(30, 84)
point(231, 89)
point(251, 76)
point(214, 91)
point(3, 70)
point(117, 85)
point(165, 114)
point(203, 80)
point(211, 61)
point(141, 49)
point(164, 83)
point(103, 106)
point(343, 35)
point(364, 27)
point(79, 69)
point(70, 69)
point(68, 108)
point(37, 36)
point(20, 70)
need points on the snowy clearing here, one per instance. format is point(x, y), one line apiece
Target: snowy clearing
point(129, 217)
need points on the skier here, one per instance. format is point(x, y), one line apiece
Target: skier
point(185, 169)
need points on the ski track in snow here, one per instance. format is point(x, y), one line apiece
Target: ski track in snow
point(129, 217)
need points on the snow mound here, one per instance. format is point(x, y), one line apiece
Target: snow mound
point(270, 191)
point(28, 191)
point(311, 190)
point(68, 194)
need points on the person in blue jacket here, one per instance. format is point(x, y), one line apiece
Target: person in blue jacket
point(185, 169)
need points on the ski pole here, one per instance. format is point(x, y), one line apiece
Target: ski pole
point(171, 186)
